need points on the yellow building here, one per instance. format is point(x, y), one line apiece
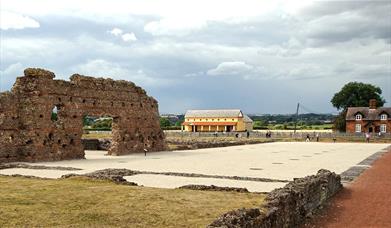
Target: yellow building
point(216, 120)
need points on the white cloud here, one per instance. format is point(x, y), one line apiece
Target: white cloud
point(104, 68)
point(236, 69)
point(175, 17)
point(9, 20)
point(116, 31)
point(129, 37)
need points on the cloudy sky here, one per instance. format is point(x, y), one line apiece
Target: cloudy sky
point(259, 56)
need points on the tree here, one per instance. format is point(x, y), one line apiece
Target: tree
point(340, 122)
point(357, 94)
point(178, 123)
point(354, 94)
point(164, 122)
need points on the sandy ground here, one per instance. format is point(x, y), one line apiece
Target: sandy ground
point(364, 203)
point(283, 161)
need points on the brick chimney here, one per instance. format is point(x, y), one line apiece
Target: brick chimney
point(372, 104)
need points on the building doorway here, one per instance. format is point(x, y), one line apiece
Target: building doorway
point(229, 128)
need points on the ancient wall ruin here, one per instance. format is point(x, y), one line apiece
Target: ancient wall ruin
point(289, 206)
point(28, 133)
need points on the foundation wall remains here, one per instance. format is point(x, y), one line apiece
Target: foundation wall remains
point(288, 206)
point(28, 132)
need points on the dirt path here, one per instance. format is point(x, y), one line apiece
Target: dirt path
point(364, 203)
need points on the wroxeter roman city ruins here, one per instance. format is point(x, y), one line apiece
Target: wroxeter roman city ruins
point(28, 133)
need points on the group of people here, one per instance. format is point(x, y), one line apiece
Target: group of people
point(308, 138)
point(268, 134)
point(237, 135)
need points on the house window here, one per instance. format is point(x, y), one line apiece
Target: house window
point(383, 128)
point(232, 119)
point(358, 127)
point(358, 117)
point(218, 119)
point(383, 117)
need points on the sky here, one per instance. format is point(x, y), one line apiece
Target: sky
point(258, 56)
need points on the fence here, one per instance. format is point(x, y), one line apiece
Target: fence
point(277, 134)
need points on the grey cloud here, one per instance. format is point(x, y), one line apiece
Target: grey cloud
point(332, 22)
point(284, 58)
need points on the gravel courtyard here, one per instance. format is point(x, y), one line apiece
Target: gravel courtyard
point(235, 166)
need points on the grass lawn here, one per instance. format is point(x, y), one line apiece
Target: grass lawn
point(102, 135)
point(80, 202)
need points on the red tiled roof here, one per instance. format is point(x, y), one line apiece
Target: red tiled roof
point(368, 114)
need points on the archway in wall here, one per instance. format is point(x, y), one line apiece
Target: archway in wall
point(98, 132)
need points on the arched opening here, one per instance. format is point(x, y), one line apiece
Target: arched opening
point(97, 132)
point(54, 114)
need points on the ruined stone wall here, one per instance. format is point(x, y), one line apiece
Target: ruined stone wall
point(27, 132)
point(288, 206)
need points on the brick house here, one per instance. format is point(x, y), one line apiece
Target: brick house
point(368, 119)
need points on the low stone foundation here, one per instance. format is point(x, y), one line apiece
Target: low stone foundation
point(213, 188)
point(288, 206)
point(192, 144)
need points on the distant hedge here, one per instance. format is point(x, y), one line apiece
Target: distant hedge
point(171, 128)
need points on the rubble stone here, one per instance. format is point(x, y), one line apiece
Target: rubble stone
point(288, 206)
point(213, 188)
point(28, 133)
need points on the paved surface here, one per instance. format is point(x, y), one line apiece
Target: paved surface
point(364, 203)
point(282, 161)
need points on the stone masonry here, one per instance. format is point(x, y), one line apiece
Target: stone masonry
point(286, 207)
point(28, 133)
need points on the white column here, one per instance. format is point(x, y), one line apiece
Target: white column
point(225, 128)
point(217, 128)
point(234, 128)
point(194, 130)
point(210, 128)
point(202, 128)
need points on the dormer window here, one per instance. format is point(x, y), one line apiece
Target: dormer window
point(383, 117)
point(358, 117)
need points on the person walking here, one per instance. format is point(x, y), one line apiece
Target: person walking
point(247, 134)
point(308, 138)
point(367, 136)
point(145, 152)
point(317, 137)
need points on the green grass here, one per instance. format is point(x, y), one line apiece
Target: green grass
point(80, 202)
point(103, 135)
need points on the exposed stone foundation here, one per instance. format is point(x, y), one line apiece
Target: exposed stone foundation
point(213, 188)
point(29, 133)
point(288, 206)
